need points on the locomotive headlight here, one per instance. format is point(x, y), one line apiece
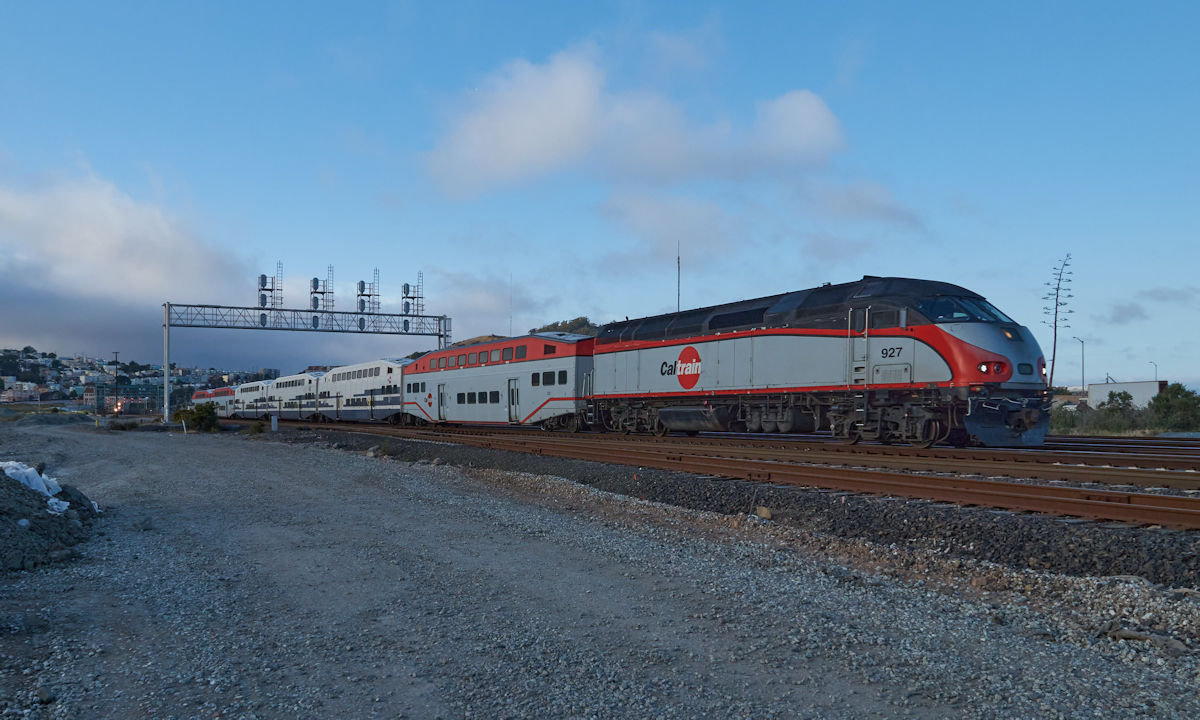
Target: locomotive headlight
point(997, 368)
point(984, 367)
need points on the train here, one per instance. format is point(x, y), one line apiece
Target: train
point(886, 359)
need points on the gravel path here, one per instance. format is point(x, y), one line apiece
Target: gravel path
point(242, 578)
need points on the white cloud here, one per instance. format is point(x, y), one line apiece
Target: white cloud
point(691, 49)
point(527, 120)
point(797, 128)
point(1122, 314)
point(1170, 294)
point(85, 239)
point(85, 267)
point(868, 201)
point(533, 120)
point(702, 230)
point(480, 303)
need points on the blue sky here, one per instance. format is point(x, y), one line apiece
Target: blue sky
point(171, 151)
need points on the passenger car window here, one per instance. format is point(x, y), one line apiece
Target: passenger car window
point(471, 358)
point(548, 377)
point(549, 349)
point(462, 359)
point(494, 396)
point(462, 398)
point(495, 356)
point(520, 352)
point(483, 396)
point(508, 353)
point(562, 377)
point(535, 380)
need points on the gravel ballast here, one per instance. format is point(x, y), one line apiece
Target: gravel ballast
point(234, 577)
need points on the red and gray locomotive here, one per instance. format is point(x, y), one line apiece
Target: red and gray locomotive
point(884, 358)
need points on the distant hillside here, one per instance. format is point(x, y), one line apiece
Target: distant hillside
point(579, 326)
point(479, 339)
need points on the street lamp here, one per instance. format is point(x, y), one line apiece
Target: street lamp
point(1082, 366)
point(1155, 370)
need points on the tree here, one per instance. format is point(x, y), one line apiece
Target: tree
point(1115, 415)
point(1057, 311)
point(202, 417)
point(1176, 408)
point(29, 350)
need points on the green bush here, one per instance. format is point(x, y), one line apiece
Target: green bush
point(1175, 408)
point(255, 428)
point(201, 418)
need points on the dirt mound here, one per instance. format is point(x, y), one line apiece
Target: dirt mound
point(31, 533)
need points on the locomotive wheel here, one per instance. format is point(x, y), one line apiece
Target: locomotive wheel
point(573, 425)
point(659, 428)
point(933, 433)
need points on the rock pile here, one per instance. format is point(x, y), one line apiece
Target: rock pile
point(39, 526)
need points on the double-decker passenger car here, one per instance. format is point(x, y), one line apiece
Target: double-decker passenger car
point(250, 400)
point(540, 379)
point(363, 391)
point(292, 397)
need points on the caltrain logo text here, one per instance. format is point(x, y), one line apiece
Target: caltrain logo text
point(686, 369)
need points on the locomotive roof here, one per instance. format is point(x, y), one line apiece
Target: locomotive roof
point(775, 310)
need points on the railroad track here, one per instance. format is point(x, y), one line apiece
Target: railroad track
point(826, 466)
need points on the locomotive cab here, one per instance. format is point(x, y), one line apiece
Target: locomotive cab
point(1000, 364)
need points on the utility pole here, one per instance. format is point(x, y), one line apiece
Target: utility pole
point(116, 388)
point(1082, 367)
point(678, 276)
point(1155, 370)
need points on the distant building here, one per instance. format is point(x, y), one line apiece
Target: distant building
point(1142, 392)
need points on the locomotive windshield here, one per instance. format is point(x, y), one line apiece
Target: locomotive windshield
point(960, 309)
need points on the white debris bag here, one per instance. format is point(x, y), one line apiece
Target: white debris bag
point(43, 484)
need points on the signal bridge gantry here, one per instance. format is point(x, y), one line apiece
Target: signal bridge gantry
point(270, 315)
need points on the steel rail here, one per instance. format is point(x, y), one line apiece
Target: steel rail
point(1138, 508)
point(1107, 468)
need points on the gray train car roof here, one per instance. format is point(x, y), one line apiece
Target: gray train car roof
point(773, 310)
